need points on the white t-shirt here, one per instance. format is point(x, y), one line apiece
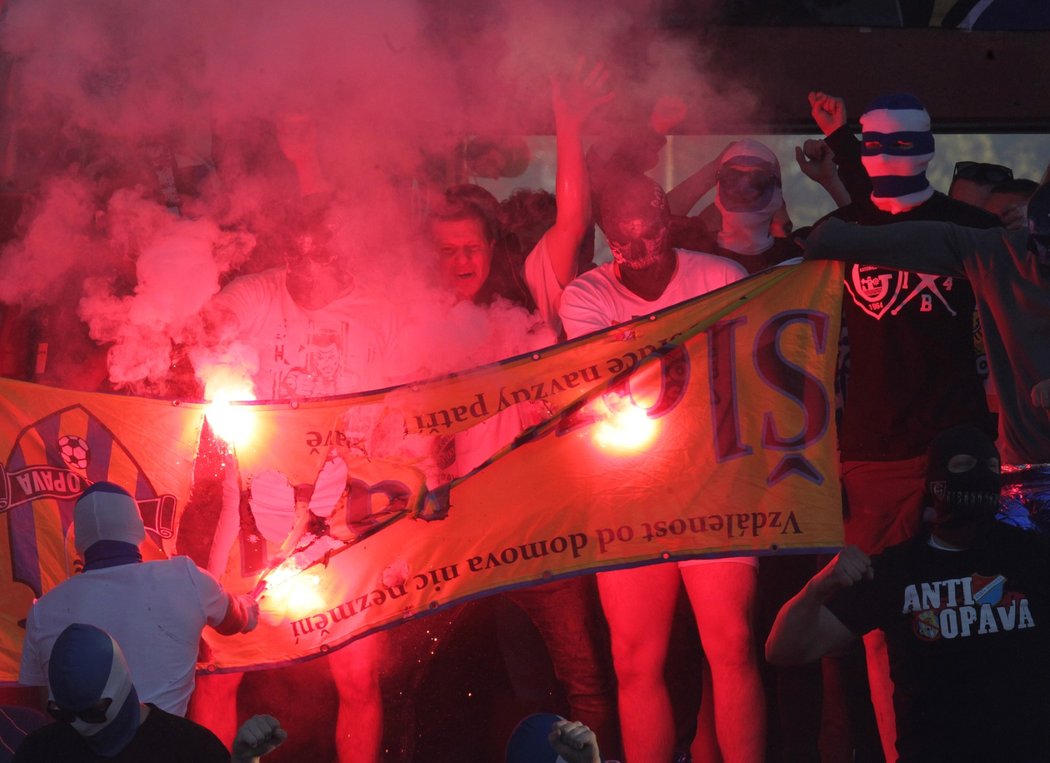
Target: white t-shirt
point(155, 611)
point(597, 299)
point(341, 348)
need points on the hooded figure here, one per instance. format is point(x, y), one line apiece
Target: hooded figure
point(89, 687)
point(897, 148)
point(749, 195)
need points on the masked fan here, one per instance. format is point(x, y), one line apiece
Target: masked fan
point(1009, 272)
point(120, 592)
point(964, 607)
point(99, 715)
point(646, 275)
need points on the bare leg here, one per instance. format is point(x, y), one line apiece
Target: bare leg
point(359, 723)
point(881, 692)
point(639, 605)
point(705, 744)
point(723, 599)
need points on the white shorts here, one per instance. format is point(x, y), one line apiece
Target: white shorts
point(750, 561)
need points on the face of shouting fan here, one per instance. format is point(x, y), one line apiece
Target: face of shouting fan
point(464, 255)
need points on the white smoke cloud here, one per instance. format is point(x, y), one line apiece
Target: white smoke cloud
point(178, 263)
point(120, 101)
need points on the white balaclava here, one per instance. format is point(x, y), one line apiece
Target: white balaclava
point(106, 512)
point(898, 146)
point(748, 197)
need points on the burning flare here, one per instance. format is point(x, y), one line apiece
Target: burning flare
point(235, 424)
point(286, 589)
point(623, 427)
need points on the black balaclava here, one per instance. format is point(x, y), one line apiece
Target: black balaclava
point(962, 476)
point(634, 216)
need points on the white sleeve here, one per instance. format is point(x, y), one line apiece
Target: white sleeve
point(245, 301)
point(582, 310)
point(213, 599)
point(734, 271)
point(543, 285)
point(31, 672)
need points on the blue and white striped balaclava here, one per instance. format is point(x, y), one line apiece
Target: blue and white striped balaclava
point(86, 667)
point(897, 147)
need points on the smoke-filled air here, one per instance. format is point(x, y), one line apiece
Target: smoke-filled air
point(167, 147)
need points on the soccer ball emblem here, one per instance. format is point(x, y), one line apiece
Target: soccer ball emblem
point(74, 451)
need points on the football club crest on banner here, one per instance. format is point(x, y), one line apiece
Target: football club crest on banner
point(50, 463)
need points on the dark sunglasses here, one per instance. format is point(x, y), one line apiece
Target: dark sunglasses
point(980, 172)
point(94, 714)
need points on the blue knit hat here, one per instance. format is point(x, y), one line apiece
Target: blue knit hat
point(528, 743)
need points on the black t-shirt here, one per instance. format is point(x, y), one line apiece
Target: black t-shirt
point(913, 369)
point(162, 738)
point(967, 634)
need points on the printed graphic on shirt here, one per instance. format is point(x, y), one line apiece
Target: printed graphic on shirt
point(325, 361)
point(881, 291)
point(965, 607)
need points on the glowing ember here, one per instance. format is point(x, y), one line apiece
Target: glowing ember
point(233, 423)
point(623, 427)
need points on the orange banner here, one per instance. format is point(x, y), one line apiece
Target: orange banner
point(704, 430)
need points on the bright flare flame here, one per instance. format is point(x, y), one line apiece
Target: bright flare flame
point(295, 597)
point(624, 427)
point(235, 424)
point(281, 574)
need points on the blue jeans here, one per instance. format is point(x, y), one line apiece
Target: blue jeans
point(567, 615)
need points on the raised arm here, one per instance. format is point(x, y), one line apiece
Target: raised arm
point(684, 196)
point(829, 112)
point(817, 162)
point(805, 630)
point(574, 99)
